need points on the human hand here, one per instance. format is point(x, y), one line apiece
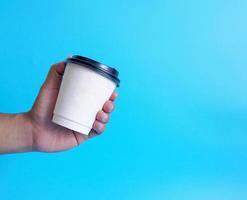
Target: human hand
point(50, 137)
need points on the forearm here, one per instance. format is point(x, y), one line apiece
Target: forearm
point(15, 133)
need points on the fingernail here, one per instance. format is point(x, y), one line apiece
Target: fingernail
point(112, 107)
point(104, 117)
point(100, 127)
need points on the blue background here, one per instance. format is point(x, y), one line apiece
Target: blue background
point(179, 130)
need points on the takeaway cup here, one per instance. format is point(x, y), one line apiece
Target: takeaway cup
point(86, 86)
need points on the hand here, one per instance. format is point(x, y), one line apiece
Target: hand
point(50, 137)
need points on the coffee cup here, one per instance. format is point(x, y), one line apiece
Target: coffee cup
point(86, 85)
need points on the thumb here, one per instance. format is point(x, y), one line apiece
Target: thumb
point(54, 77)
point(45, 102)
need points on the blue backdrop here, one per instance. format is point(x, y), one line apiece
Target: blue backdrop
point(179, 130)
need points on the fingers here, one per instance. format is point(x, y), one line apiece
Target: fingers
point(92, 134)
point(113, 96)
point(79, 137)
point(108, 106)
point(54, 76)
point(99, 127)
point(103, 117)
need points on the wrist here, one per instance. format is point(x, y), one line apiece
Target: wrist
point(15, 133)
point(27, 131)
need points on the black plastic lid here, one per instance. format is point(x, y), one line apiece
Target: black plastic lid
point(104, 70)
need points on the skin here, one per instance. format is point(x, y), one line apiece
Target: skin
point(34, 130)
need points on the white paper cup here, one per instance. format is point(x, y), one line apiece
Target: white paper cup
point(86, 86)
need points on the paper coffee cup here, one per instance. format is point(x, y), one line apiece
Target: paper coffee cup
point(86, 86)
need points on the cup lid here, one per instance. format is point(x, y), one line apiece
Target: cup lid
point(104, 70)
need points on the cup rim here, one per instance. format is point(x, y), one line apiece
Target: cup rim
point(104, 70)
